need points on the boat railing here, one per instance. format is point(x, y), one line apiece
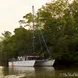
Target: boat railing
point(24, 58)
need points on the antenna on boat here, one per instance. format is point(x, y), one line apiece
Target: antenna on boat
point(33, 29)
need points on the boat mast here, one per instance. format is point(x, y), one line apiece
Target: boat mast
point(33, 29)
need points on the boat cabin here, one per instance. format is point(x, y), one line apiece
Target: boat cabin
point(20, 58)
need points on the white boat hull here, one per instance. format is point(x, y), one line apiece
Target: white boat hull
point(31, 63)
point(48, 63)
point(44, 62)
point(22, 63)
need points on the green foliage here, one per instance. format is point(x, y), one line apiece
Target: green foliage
point(28, 17)
point(60, 25)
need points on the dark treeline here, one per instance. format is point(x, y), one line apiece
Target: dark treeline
point(59, 23)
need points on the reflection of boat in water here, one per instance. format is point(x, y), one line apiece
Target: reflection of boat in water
point(31, 71)
point(48, 68)
point(24, 69)
point(21, 72)
point(21, 69)
point(45, 69)
point(45, 72)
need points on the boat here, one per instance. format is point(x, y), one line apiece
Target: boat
point(32, 60)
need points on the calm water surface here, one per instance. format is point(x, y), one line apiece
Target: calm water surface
point(38, 72)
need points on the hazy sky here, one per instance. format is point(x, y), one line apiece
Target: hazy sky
point(11, 11)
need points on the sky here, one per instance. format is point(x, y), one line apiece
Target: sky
point(11, 11)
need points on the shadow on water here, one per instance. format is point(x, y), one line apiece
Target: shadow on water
point(38, 72)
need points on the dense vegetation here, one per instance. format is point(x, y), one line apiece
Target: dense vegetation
point(59, 23)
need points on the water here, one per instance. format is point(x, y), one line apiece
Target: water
point(38, 72)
